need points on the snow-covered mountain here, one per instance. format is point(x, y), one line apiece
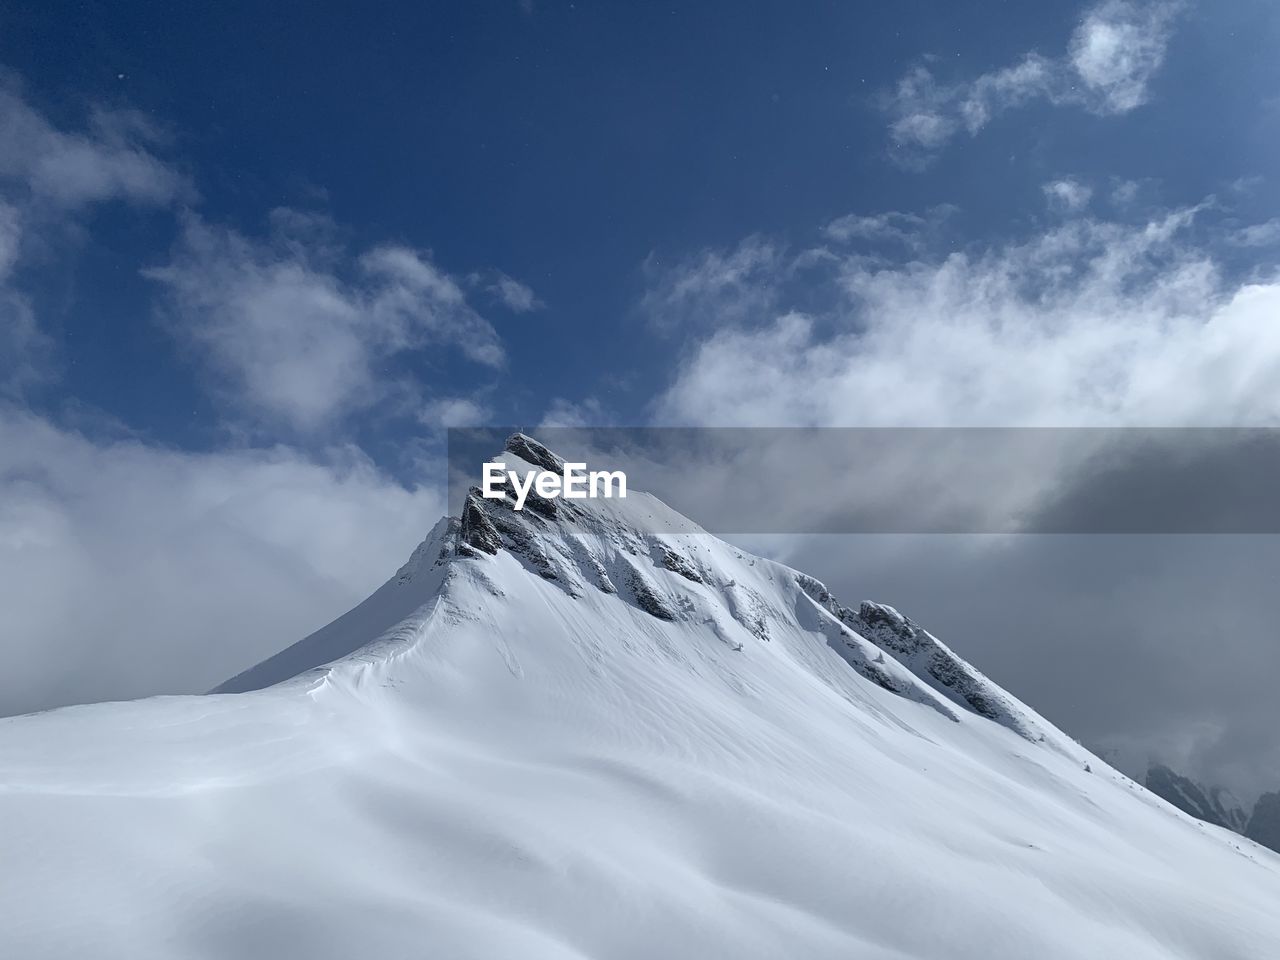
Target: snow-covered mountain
point(1210, 804)
point(1218, 806)
point(1264, 822)
point(591, 730)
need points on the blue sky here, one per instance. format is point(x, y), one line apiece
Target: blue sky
point(252, 258)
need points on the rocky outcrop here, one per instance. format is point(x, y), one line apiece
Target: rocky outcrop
point(678, 564)
point(927, 658)
point(531, 451)
point(647, 597)
point(477, 530)
point(492, 525)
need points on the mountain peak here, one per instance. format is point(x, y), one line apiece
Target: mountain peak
point(641, 554)
point(533, 452)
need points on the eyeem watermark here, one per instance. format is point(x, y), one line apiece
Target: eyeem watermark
point(573, 484)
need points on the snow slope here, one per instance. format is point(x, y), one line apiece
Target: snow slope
point(557, 736)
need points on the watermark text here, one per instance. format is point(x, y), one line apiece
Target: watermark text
point(575, 483)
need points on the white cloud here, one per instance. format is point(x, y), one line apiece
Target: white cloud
point(1067, 195)
point(111, 159)
point(505, 290)
point(1005, 89)
point(128, 569)
point(898, 227)
point(589, 412)
point(1117, 51)
point(713, 287)
point(10, 235)
point(923, 111)
point(1089, 323)
point(1264, 234)
point(417, 303)
point(514, 295)
point(24, 348)
point(454, 412)
point(1124, 192)
point(910, 230)
point(46, 176)
point(297, 333)
point(1111, 59)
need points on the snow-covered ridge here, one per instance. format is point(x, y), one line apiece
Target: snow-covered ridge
point(929, 659)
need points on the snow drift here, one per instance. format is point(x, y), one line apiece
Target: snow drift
point(560, 735)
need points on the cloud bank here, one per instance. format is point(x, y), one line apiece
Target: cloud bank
point(128, 568)
point(1091, 322)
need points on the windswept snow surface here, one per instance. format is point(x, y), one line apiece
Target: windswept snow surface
point(559, 735)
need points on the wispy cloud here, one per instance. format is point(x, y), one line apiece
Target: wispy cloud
point(24, 349)
point(910, 230)
point(455, 412)
point(26, 352)
point(10, 235)
point(506, 290)
point(1265, 234)
point(111, 158)
point(1111, 58)
point(515, 295)
point(900, 227)
point(1068, 195)
point(47, 176)
point(715, 286)
point(1124, 192)
point(589, 412)
point(297, 332)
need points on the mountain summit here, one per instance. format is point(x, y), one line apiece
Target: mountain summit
point(589, 729)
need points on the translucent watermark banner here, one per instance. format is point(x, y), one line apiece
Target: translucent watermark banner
point(767, 480)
